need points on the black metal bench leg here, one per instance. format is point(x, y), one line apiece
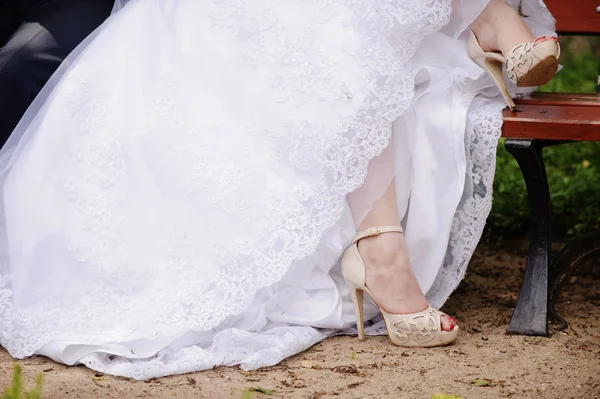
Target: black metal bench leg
point(530, 316)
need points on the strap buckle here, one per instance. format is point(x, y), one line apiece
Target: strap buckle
point(373, 231)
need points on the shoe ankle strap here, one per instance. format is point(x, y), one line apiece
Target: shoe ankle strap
point(375, 231)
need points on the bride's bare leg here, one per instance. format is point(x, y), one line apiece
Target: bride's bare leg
point(500, 28)
point(389, 274)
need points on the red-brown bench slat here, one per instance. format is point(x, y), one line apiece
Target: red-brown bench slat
point(552, 122)
point(575, 16)
point(574, 99)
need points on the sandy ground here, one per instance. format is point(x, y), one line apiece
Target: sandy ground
point(567, 365)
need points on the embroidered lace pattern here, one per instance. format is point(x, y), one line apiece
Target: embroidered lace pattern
point(340, 146)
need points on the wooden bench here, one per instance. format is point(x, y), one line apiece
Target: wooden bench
point(543, 120)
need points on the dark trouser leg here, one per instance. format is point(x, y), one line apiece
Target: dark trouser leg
point(9, 21)
point(36, 49)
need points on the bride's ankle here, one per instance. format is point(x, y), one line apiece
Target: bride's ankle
point(383, 252)
point(485, 35)
point(500, 28)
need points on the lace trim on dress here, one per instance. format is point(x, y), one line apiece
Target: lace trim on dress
point(341, 148)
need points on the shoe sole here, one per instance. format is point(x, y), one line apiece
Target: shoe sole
point(541, 74)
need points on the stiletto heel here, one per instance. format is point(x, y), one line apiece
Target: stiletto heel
point(422, 329)
point(357, 300)
point(494, 69)
point(528, 64)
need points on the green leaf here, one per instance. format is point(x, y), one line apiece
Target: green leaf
point(247, 394)
point(262, 390)
point(481, 383)
point(444, 396)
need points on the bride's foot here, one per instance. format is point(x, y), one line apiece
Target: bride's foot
point(499, 28)
point(409, 320)
point(500, 37)
point(390, 278)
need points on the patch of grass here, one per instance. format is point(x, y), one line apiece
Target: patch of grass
point(574, 178)
point(15, 391)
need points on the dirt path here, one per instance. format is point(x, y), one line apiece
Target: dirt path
point(564, 366)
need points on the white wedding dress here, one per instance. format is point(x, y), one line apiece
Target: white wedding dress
point(178, 196)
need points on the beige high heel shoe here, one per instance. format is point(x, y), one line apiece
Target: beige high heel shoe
point(422, 329)
point(527, 64)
